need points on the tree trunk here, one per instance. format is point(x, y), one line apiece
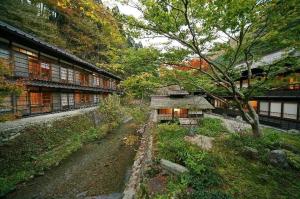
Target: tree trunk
point(256, 128)
point(251, 117)
point(255, 125)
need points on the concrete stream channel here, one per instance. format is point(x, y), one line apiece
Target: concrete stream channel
point(99, 170)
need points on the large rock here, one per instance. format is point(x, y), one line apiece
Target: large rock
point(173, 167)
point(204, 142)
point(293, 131)
point(278, 158)
point(250, 152)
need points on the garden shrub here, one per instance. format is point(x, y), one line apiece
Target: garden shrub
point(211, 127)
point(111, 109)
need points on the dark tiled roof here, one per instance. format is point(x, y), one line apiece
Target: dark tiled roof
point(34, 40)
point(189, 102)
point(50, 84)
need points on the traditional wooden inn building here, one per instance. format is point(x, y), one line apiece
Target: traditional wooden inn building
point(279, 107)
point(171, 103)
point(54, 80)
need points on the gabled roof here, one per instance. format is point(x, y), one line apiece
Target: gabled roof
point(188, 102)
point(272, 58)
point(21, 36)
point(174, 90)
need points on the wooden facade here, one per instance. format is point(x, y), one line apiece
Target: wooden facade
point(54, 79)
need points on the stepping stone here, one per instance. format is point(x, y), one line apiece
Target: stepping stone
point(173, 167)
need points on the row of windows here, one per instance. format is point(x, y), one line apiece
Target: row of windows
point(291, 82)
point(42, 102)
point(27, 65)
point(287, 110)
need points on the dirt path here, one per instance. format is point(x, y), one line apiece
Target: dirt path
point(98, 170)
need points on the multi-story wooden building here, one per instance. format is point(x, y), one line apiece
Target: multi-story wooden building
point(54, 79)
point(279, 106)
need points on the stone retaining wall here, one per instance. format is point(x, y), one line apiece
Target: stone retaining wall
point(142, 161)
point(12, 129)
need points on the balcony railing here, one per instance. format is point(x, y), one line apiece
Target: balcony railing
point(164, 117)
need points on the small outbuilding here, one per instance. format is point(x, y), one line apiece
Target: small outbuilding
point(172, 102)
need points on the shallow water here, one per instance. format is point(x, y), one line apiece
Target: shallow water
point(98, 170)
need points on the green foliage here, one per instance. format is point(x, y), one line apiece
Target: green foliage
point(39, 147)
point(140, 86)
point(7, 88)
point(244, 26)
point(211, 127)
point(111, 109)
point(270, 139)
point(293, 159)
point(202, 178)
point(224, 172)
point(139, 113)
point(82, 27)
point(134, 61)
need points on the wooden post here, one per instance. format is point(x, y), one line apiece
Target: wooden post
point(298, 111)
point(269, 105)
point(172, 113)
point(281, 114)
point(14, 103)
point(29, 102)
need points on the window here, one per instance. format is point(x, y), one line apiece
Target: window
point(264, 108)
point(275, 109)
point(24, 51)
point(71, 99)
point(77, 98)
point(96, 99)
point(35, 99)
point(77, 77)
point(45, 71)
point(63, 73)
point(64, 99)
point(96, 81)
point(70, 75)
point(40, 102)
point(165, 111)
point(84, 79)
point(34, 68)
point(4, 54)
point(46, 98)
point(6, 104)
point(254, 104)
point(219, 104)
point(290, 110)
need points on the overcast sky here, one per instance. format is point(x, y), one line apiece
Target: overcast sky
point(159, 42)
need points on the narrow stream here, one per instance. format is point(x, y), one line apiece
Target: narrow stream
point(98, 170)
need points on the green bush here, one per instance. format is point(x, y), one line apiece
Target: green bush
point(211, 127)
point(111, 109)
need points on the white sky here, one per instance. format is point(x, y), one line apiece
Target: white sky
point(158, 42)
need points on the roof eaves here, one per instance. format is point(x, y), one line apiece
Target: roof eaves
point(54, 48)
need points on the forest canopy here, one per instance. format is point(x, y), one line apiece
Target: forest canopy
point(85, 28)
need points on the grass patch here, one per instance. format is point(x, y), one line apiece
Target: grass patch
point(211, 127)
point(225, 172)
